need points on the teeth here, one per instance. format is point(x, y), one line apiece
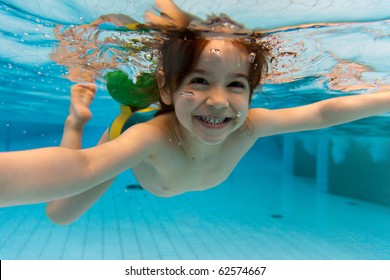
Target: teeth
point(214, 121)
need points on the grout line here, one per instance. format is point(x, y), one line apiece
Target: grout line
point(118, 224)
point(29, 236)
point(17, 228)
point(132, 221)
point(194, 232)
point(65, 243)
point(163, 227)
point(150, 231)
point(48, 238)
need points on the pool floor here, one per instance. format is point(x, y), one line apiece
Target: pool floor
point(275, 218)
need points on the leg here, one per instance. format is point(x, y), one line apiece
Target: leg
point(67, 210)
point(81, 97)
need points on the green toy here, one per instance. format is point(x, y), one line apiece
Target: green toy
point(139, 95)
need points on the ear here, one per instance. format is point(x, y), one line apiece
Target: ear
point(164, 93)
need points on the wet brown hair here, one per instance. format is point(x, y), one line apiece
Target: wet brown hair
point(180, 53)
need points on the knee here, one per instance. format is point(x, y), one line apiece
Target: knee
point(58, 217)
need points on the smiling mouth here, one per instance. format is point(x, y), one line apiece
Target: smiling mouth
point(212, 121)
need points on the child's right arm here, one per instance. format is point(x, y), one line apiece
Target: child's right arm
point(52, 173)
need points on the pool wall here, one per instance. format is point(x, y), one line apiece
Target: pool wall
point(355, 166)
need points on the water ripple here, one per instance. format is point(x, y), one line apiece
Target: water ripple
point(314, 57)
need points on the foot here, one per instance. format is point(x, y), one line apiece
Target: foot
point(80, 100)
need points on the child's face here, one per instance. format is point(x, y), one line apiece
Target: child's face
point(213, 100)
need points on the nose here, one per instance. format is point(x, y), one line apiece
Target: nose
point(217, 99)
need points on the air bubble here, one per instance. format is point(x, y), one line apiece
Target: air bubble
point(148, 56)
point(252, 57)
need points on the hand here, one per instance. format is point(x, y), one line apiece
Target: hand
point(170, 16)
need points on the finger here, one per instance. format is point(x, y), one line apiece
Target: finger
point(157, 20)
point(167, 6)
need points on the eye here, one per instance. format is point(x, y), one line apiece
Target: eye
point(199, 80)
point(237, 85)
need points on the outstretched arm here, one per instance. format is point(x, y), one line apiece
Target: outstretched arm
point(49, 174)
point(318, 115)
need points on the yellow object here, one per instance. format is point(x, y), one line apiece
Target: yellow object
point(132, 26)
point(117, 125)
point(121, 122)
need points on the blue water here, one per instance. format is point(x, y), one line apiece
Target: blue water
point(313, 195)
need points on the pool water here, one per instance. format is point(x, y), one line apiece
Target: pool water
point(312, 195)
point(273, 215)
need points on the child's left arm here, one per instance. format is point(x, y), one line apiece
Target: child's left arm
point(318, 115)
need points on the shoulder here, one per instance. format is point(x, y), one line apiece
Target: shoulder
point(267, 122)
point(149, 134)
point(259, 122)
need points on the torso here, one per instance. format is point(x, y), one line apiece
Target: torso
point(174, 170)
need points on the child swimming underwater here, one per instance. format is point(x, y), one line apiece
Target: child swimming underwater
point(205, 128)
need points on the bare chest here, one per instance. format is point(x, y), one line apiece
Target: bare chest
point(176, 172)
